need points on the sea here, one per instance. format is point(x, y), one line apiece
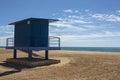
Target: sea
point(96, 49)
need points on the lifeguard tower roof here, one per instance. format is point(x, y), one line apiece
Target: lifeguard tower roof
point(37, 19)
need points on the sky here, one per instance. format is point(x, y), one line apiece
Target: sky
point(83, 23)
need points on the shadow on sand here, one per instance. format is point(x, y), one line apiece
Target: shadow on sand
point(17, 68)
point(17, 65)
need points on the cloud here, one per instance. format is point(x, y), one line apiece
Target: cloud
point(83, 23)
point(3, 39)
point(70, 11)
point(78, 25)
point(7, 28)
point(67, 26)
point(79, 21)
point(105, 34)
point(76, 11)
point(106, 17)
point(5, 32)
point(70, 23)
point(74, 16)
point(96, 39)
point(87, 10)
point(118, 11)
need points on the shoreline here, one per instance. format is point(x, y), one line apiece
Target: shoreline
point(90, 51)
point(75, 51)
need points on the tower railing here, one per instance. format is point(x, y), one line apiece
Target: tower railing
point(10, 42)
point(52, 42)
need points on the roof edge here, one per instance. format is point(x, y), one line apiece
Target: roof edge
point(49, 20)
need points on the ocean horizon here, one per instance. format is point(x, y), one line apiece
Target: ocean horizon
point(96, 49)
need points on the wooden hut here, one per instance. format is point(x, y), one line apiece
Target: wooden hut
point(32, 34)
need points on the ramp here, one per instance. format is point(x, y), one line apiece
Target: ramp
point(34, 54)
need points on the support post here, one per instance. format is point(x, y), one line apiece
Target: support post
point(59, 42)
point(15, 54)
point(46, 54)
point(30, 55)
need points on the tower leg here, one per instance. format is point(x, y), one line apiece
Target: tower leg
point(15, 54)
point(30, 55)
point(46, 54)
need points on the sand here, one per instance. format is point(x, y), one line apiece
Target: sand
point(75, 65)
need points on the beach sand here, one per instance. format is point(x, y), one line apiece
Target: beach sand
point(75, 65)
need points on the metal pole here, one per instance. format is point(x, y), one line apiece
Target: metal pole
point(7, 42)
point(30, 55)
point(59, 42)
point(46, 54)
point(15, 54)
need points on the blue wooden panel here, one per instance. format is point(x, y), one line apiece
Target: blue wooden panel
point(39, 33)
point(34, 34)
point(22, 34)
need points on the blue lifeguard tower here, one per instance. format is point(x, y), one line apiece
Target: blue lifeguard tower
point(32, 34)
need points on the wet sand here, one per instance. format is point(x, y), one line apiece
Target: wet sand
point(75, 65)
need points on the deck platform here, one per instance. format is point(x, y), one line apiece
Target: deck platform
point(34, 48)
point(36, 62)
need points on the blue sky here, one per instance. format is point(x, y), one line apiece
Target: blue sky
point(83, 23)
